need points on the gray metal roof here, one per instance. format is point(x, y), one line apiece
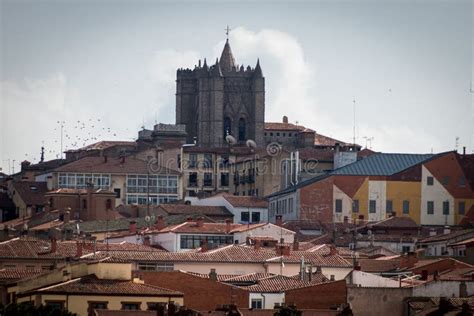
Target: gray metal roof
point(382, 164)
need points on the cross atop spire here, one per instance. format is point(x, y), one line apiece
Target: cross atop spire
point(227, 31)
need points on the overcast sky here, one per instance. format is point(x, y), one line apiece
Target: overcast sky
point(106, 68)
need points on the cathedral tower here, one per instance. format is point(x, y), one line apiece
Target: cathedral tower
point(219, 100)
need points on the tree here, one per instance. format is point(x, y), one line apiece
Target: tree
point(28, 309)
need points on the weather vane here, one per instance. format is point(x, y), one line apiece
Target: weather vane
point(227, 31)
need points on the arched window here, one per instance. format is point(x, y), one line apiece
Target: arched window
point(227, 126)
point(242, 135)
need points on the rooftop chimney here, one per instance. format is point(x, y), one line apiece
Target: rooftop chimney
point(200, 222)
point(424, 275)
point(279, 220)
point(228, 226)
point(296, 245)
point(54, 245)
point(67, 216)
point(204, 246)
point(147, 241)
point(160, 222)
point(132, 227)
point(213, 275)
point(78, 249)
point(285, 119)
point(332, 250)
point(257, 244)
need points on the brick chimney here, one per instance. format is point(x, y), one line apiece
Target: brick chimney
point(160, 222)
point(78, 249)
point(54, 245)
point(279, 220)
point(213, 275)
point(296, 245)
point(257, 244)
point(332, 250)
point(132, 229)
point(200, 222)
point(147, 241)
point(282, 250)
point(204, 245)
point(228, 226)
point(285, 119)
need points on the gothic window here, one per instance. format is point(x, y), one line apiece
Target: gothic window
point(242, 135)
point(227, 126)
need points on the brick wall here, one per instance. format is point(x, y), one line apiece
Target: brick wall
point(316, 201)
point(199, 293)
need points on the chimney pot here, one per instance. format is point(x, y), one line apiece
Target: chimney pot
point(160, 222)
point(279, 220)
point(147, 241)
point(285, 119)
point(213, 275)
point(133, 227)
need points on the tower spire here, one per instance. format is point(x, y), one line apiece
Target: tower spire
point(258, 70)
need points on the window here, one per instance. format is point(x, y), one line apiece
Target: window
point(244, 217)
point(430, 207)
point(224, 179)
point(256, 303)
point(242, 128)
point(55, 304)
point(355, 206)
point(406, 207)
point(290, 205)
point(461, 207)
point(117, 193)
point(256, 217)
point(192, 161)
point(372, 206)
point(389, 206)
point(224, 161)
point(462, 182)
point(338, 206)
point(207, 163)
point(445, 180)
point(207, 179)
point(151, 266)
point(213, 241)
point(405, 249)
point(131, 306)
point(429, 180)
point(193, 182)
point(446, 208)
point(95, 305)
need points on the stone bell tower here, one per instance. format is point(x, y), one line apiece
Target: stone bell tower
point(221, 99)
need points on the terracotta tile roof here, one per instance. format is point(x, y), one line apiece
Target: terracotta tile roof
point(373, 265)
point(208, 228)
point(32, 193)
point(91, 285)
point(244, 254)
point(322, 155)
point(281, 283)
point(457, 235)
point(280, 126)
point(458, 274)
point(113, 165)
point(180, 209)
point(104, 145)
point(10, 275)
point(33, 248)
point(246, 201)
point(394, 222)
point(322, 140)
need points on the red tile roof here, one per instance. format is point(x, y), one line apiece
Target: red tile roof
point(210, 211)
point(246, 201)
point(280, 126)
point(208, 228)
point(281, 283)
point(113, 165)
point(322, 140)
point(378, 266)
point(91, 285)
point(32, 193)
point(10, 275)
point(458, 235)
point(104, 145)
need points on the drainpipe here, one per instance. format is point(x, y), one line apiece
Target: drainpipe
point(264, 299)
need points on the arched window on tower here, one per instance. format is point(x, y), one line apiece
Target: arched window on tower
point(227, 126)
point(242, 135)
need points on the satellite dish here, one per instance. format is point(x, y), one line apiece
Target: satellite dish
point(251, 144)
point(230, 140)
point(147, 219)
